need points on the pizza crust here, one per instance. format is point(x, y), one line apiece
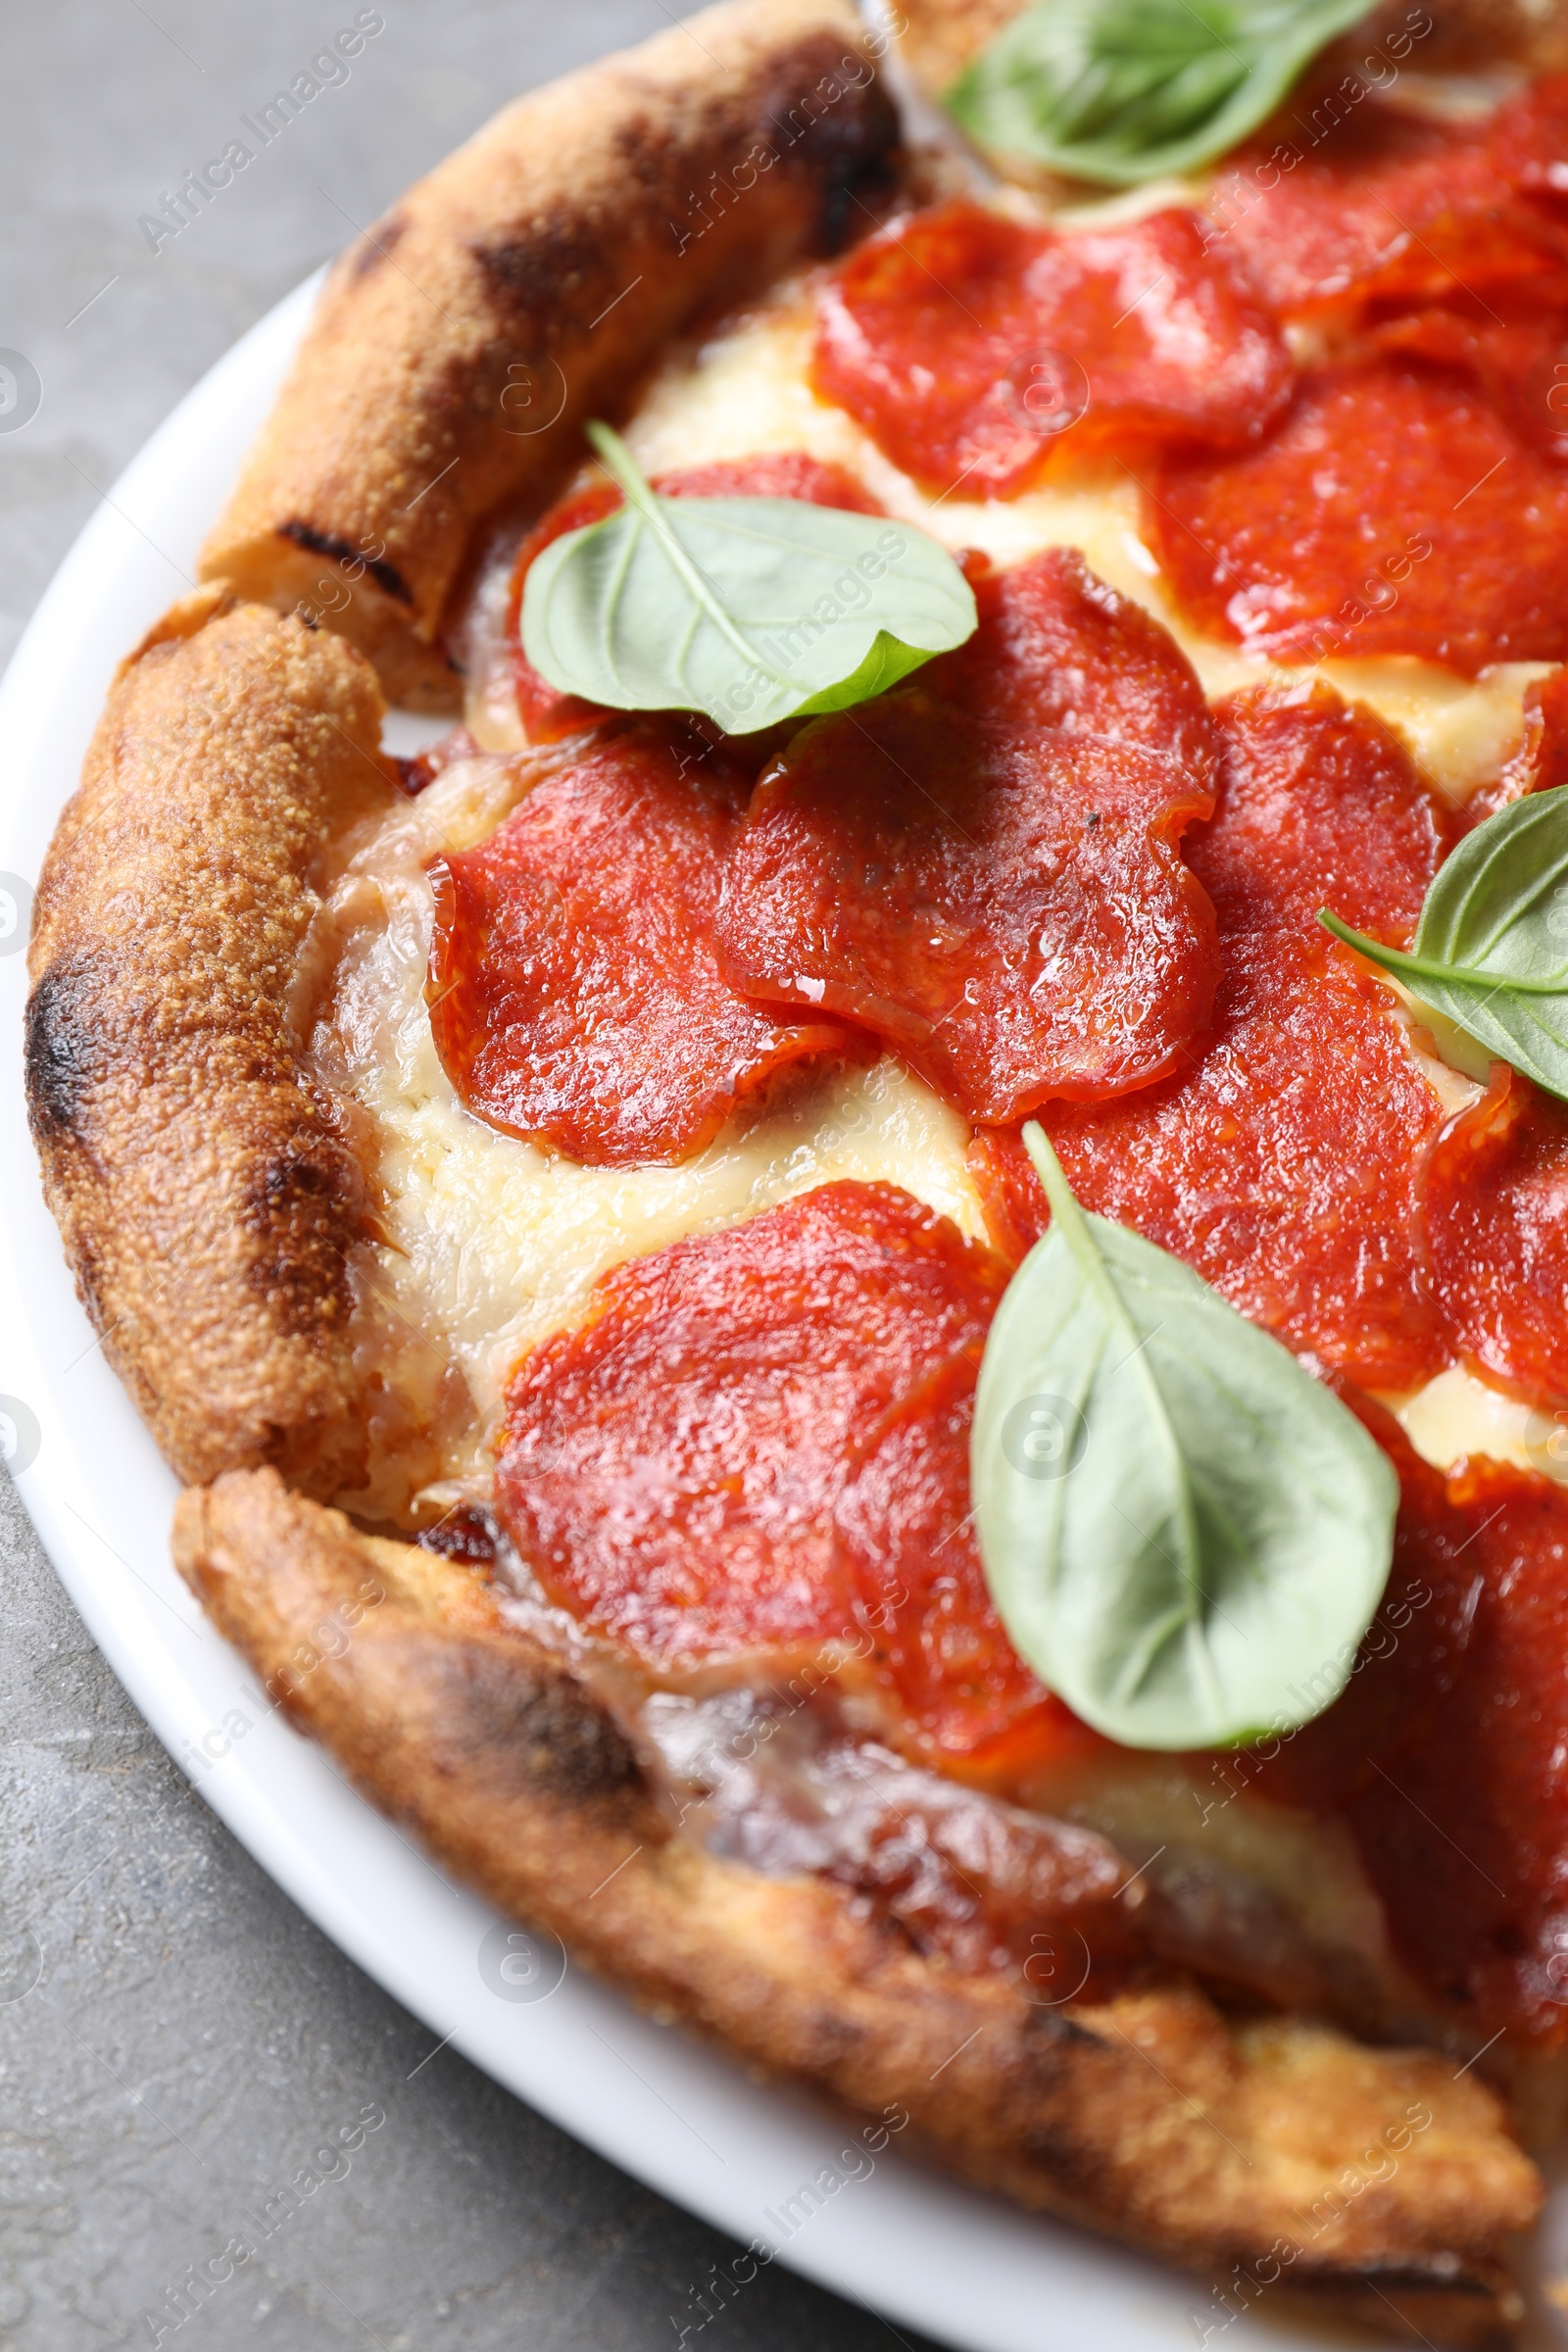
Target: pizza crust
point(521, 288)
point(1249, 2147)
point(208, 1195)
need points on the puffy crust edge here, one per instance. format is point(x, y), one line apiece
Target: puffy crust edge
point(1217, 2142)
point(208, 1196)
point(524, 285)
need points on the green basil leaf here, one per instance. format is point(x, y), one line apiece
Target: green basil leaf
point(752, 610)
point(1490, 950)
point(1127, 90)
point(1185, 1533)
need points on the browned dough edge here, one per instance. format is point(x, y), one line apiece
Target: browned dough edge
point(208, 1198)
point(522, 287)
point(1215, 2142)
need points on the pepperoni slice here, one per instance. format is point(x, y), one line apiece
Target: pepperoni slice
point(1282, 1165)
point(670, 1470)
point(574, 991)
point(907, 1553)
point(1406, 1666)
point(547, 712)
point(971, 347)
point(1394, 513)
point(1003, 907)
point(1392, 206)
point(1494, 1208)
point(1515, 350)
point(1056, 648)
point(1465, 1830)
point(1448, 1754)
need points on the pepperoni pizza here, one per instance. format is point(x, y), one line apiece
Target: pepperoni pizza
point(555, 1191)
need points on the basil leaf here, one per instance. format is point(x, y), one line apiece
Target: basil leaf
point(1126, 90)
point(1184, 1533)
point(752, 610)
point(1490, 950)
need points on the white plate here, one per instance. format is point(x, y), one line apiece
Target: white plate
point(896, 2238)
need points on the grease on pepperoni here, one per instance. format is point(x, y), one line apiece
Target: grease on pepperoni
point(1465, 1831)
point(575, 995)
point(973, 347)
point(547, 714)
point(908, 1556)
point(1405, 1666)
point(1448, 1752)
point(1055, 646)
point(1394, 513)
point(670, 1470)
point(1005, 907)
point(1515, 350)
point(1392, 206)
point(1281, 1165)
point(1493, 1209)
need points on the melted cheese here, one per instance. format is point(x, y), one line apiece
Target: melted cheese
point(1208, 1808)
point(748, 391)
point(490, 1243)
point(1457, 1414)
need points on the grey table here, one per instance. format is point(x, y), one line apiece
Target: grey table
point(175, 2039)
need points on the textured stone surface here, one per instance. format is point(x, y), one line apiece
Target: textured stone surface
point(175, 2039)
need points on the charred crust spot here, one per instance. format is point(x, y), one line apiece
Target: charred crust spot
point(1051, 2026)
point(339, 550)
point(1068, 2155)
point(541, 272)
point(63, 1050)
point(301, 1206)
point(1479, 2306)
point(839, 135)
point(843, 134)
point(535, 1732)
point(373, 248)
point(850, 203)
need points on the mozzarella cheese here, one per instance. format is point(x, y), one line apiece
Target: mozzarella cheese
point(491, 1243)
point(1457, 1414)
point(748, 391)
